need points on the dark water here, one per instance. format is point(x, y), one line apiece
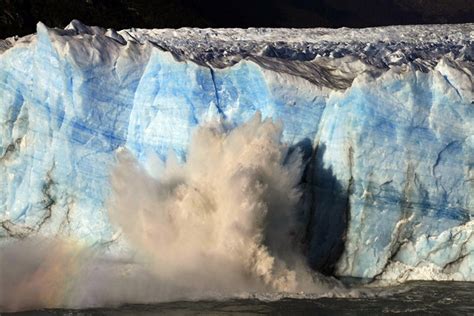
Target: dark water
point(416, 298)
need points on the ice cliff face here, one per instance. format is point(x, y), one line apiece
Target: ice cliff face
point(385, 117)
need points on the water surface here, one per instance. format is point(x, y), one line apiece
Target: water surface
point(413, 298)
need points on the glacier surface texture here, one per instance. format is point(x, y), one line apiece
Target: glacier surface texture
point(384, 117)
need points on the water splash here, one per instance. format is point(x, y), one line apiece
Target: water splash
point(222, 220)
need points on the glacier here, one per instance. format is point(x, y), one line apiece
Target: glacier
point(383, 116)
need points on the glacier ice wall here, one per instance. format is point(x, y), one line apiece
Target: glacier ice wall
point(384, 116)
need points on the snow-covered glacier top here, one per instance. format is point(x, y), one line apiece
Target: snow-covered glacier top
point(384, 118)
point(399, 33)
point(321, 55)
point(378, 45)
